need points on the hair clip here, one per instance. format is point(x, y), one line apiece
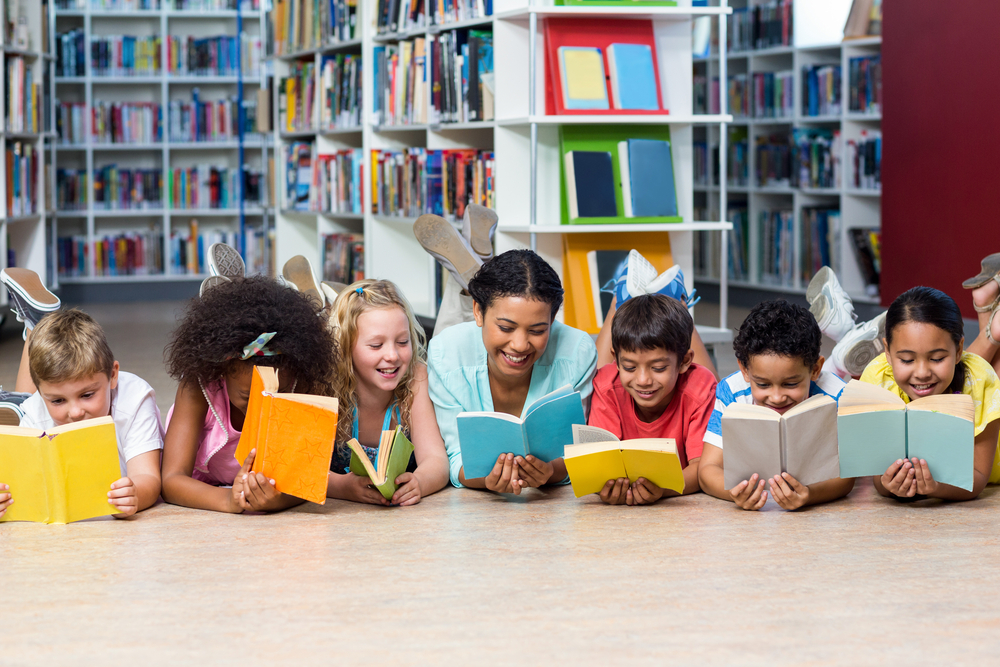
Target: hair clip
point(359, 290)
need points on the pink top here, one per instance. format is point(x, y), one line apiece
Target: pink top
point(215, 461)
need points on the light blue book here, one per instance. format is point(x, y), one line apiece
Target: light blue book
point(647, 173)
point(633, 79)
point(547, 427)
point(875, 428)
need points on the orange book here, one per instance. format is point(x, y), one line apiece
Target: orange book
point(293, 435)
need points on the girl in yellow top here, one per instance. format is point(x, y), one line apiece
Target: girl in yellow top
point(924, 356)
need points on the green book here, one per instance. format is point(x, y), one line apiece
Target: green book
point(394, 450)
point(875, 428)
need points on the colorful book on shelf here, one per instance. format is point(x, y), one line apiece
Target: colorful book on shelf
point(590, 187)
point(801, 442)
point(394, 451)
point(616, 3)
point(546, 428)
point(293, 435)
point(647, 177)
point(876, 428)
point(62, 474)
point(580, 85)
point(653, 189)
point(597, 455)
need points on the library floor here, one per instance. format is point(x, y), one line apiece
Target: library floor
point(468, 577)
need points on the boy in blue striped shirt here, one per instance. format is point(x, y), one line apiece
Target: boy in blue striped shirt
point(778, 350)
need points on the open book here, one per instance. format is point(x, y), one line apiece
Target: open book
point(60, 475)
point(597, 455)
point(293, 435)
point(801, 442)
point(546, 428)
point(876, 428)
point(394, 450)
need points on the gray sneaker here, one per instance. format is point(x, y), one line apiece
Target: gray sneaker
point(298, 271)
point(479, 225)
point(224, 260)
point(210, 282)
point(29, 299)
point(830, 304)
point(439, 238)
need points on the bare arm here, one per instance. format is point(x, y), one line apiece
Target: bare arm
point(179, 449)
point(711, 478)
point(144, 471)
point(428, 445)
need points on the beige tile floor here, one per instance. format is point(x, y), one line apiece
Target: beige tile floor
point(471, 578)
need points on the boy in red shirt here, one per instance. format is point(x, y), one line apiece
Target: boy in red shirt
point(653, 390)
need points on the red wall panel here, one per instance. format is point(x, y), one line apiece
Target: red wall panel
point(941, 154)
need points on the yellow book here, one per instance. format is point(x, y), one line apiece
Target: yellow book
point(60, 475)
point(583, 82)
point(597, 455)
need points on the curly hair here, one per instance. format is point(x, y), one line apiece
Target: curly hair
point(218, 325)
point(351, 303)
point(781, 328)
point(517, 273)
point(929, 306)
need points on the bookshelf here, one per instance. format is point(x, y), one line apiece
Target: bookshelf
point(858, 201)
point(523, 141)
point(178, 127)
point(26, 61)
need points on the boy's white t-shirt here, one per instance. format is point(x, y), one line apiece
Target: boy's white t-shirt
point(133, 408)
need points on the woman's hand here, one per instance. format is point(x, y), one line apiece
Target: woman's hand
point(899, 479)
point(532, 471)
point(407, 490)
point(501, 478)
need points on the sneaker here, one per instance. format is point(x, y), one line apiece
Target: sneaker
point(331, 290)
point(830, 305)
point(210, 282)
point(299, 272)
point(10, 407)
point(479, 225)
point(29, 299)
point(439, 238)
point(858, 347)
point(637, 276)
point(224, 260)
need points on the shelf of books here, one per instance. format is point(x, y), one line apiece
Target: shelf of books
point(160, 148)
point(804, 155)
point(24, 70)
point(440, 115)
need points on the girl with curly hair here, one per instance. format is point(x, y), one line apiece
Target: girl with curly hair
point(231, 328)
point(381, 382)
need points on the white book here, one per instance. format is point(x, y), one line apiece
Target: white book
point(623, 169)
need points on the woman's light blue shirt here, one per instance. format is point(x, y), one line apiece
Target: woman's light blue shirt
point(460, 381)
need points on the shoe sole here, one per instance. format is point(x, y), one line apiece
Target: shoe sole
point(482, 222)
point(816, 284)
point(31, 288)
point(298, 271)
point(864, 350)
point(224, 260)
point(210, 282)
point(9, 416)
point(440, 239)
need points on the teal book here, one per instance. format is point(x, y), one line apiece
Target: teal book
point(394, 451)
point(547, 427)
point(875, 428)
point(647, 176)
point(633, 77)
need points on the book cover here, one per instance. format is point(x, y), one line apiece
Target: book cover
point(60, 475)
point(651, 176)
point(547, 427)
point(801, 442)
point(394, 451)
point(590, 184)
point(581, 71)
point(293, 435)
point(876, 428)
point(597, 455)
point(633, 79)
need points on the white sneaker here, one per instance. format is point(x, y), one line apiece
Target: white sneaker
point(224, 260)
point(830, 305)
point(858, 347)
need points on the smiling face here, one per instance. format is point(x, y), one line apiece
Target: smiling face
point(779, 382)
point(923, 358)
point(515, 333)
point(238, 379)
point(650, 377)
point(383, 350)
point(88, 397)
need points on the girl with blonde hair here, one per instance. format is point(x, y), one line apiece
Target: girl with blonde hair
point(381, 382)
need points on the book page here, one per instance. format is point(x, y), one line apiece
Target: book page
point(583, 433)
point(810, 441)
point(750, 445)
point(325, 402)
point(959, 405)
point(863, 397)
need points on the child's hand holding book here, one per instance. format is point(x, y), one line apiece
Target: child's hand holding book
point(788, 492)
point(5, 499)
point(749, 494)
point(124, 496)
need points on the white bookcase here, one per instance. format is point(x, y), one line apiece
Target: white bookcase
point(524, 139)
point(859, 208)
point(22, 237)
point(125, 17)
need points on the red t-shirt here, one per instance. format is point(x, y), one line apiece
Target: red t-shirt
point(685, 418)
